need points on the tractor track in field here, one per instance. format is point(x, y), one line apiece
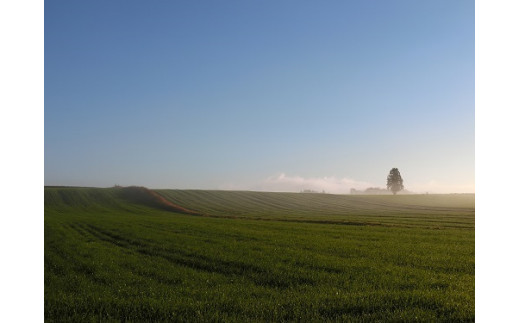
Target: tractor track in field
point(192, 260)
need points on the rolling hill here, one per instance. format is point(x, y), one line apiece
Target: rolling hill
point(134, 254)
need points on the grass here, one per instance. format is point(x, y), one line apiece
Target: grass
point(119, 255)
point(432, 211)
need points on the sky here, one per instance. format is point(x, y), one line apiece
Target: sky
point(260, 95)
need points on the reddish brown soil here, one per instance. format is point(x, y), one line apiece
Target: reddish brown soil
point(169, 205)
point(142, 195)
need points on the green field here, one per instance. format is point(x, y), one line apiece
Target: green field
point(129, 254)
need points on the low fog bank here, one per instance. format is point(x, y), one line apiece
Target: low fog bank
point(285, 183)
point(378, 191)
point(335, 185)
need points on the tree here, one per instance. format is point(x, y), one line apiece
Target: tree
point(394, 182)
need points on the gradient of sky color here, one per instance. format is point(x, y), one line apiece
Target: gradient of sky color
point(264, 95)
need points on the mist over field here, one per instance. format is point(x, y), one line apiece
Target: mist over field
point(285, 183)
point(335, 185)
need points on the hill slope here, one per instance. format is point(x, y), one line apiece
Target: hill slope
point(124, 254)
point(404, 210)
point(131, 198)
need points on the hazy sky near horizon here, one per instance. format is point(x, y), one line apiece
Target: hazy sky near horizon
point(260, 95)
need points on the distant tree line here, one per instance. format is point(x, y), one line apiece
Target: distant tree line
point(376, 191)
point(312, 191)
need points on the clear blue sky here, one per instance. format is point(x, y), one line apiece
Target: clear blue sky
point(268, 95)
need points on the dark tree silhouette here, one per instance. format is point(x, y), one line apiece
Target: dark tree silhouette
point(394, 182)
